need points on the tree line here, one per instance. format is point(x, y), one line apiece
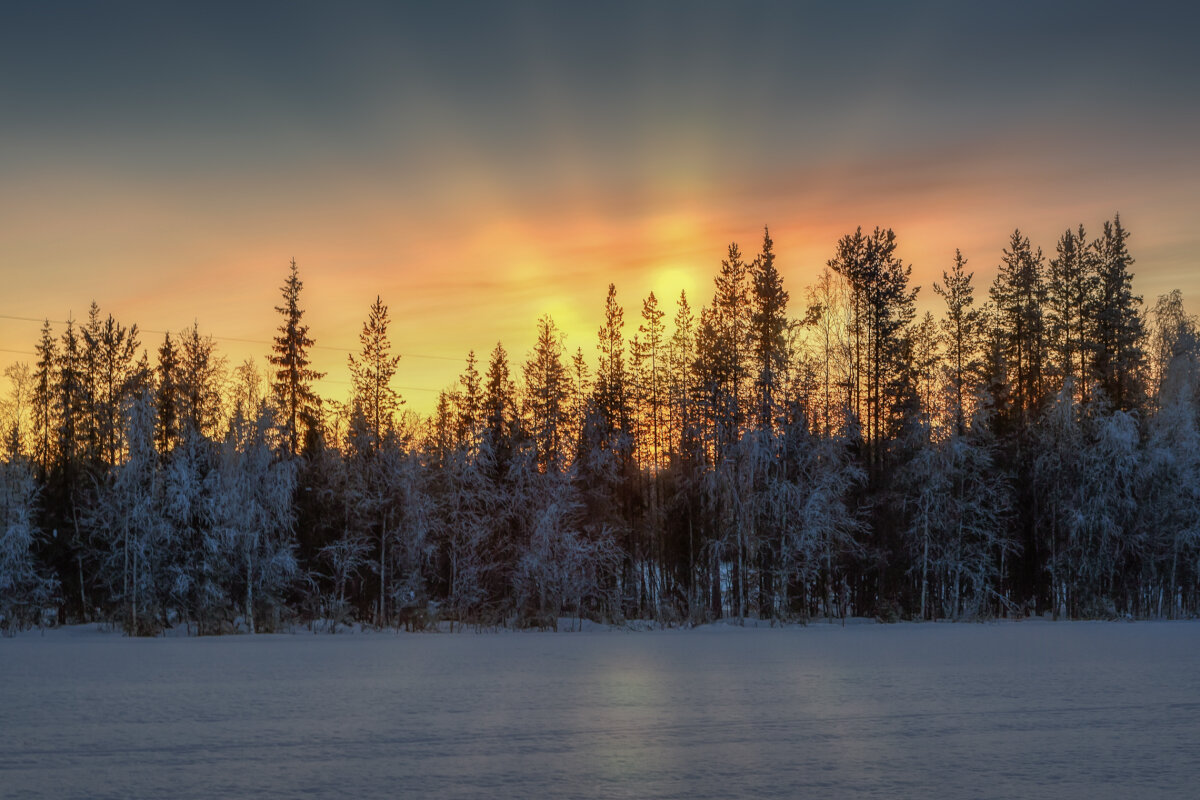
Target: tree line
point(1032, 450)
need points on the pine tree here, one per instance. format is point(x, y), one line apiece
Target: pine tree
point(611, 392)
point(577, 403)
point(167, 399)
point(1019, 295)
point(372, 374)
point(653, 379)
point(960, 327)
point(681, 356)
point(728, 351)
point(111, 349)
point(89, 385)
point(70, 401)
point(442, 427)
point(499, 407)
point(470, 405)
point(1071, 287)
point(45, 379)
point(298, 404)
point(768, 333)
point(546, 396)
point(881, 308)
point(1119, 357)
point(201, 372)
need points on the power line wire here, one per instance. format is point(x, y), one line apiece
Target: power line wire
point(214, 337)
point(334, 348)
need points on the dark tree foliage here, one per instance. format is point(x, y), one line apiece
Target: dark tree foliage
point(1037, 455)
point(300, 408)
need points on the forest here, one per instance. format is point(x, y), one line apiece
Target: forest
point(1031, 449)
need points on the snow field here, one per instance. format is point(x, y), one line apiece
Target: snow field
point(1029, 709)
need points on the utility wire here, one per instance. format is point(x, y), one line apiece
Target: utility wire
point(245, 341)
point(334, 348)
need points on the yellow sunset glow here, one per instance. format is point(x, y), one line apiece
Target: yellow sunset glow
point(518, 175)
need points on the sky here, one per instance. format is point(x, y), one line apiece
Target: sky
point(478, 165)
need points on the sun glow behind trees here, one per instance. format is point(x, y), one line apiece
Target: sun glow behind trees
point(764, 453)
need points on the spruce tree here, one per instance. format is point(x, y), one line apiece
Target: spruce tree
point(70, 401)
point(1019, 295)
point(882, 306)
point(470, 405)
point(611, 392)
point(1071, 286)
point(299, 406)
point(768, 333)
point(45, 378)
point(372, 374)
point(681, 357)
point(1119, 329)
point(546, 396)
point(729, 351)
point(499, 406)
point(653, 378)
point(201, 373)
point(960, 327)
point(167, 397)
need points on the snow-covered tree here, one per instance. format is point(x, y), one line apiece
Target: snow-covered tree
point(957, 541)
point(133, 538)
point(1170, 488)
point(25, 590)
point(250, 512)
point(559, 567)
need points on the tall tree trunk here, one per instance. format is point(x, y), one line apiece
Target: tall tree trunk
point(924, 568)
point(249, 593)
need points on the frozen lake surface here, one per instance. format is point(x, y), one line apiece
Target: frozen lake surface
point(1029, 709)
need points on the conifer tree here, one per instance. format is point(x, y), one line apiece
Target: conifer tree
point(611, 391)
point(167, 397)
point(44, 401)
point(577, 403)
point(1071, 286)
point(70, 402)
point(1019, 294)
point(881, 308)
point(470, 405)
point(960, 326)
point(652, 379)
point(728, 355)
point(299, 406)
point(499, 405)
point(681, 357)
point(89, 381)
point(768, 333)
point(372, 374)
point(546, 396)
point(1119, 330)
point(200, 374)
point(111, 350)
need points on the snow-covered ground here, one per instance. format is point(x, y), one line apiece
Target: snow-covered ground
point(1029, 709)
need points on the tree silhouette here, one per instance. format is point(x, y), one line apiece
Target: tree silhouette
point(298, 404)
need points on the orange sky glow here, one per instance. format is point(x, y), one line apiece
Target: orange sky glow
point(471, 224)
